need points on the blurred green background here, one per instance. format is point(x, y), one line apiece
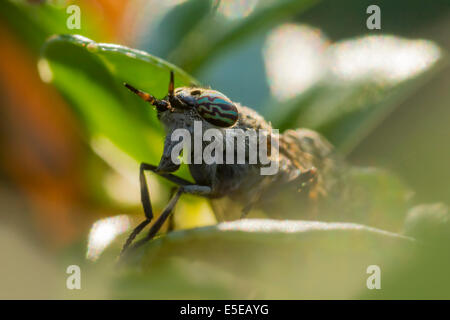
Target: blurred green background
point(71, 140)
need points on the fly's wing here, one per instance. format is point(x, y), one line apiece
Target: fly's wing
point(303, 149)
point(298, 190)
point(290, 193)
point(344, 193)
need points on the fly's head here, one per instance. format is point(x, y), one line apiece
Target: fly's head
point(182, 106)
point(185, 105)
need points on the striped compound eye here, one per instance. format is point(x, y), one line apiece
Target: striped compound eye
point(216, 108)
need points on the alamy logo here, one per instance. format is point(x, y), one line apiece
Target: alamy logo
point(74, 20)
point(374, 280)
point(74, 280)
point(258, 146)
point(374, 20)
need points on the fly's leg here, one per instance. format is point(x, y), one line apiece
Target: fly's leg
point(184, 187)
point(159, 222)
point(191, 189)
point(202, 191)
point(146, 203)
point(307, 179)
point(246, 210)
point(311, 186)
point(145, 198)
point(171, 222)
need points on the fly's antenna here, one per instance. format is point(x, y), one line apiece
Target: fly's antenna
point(143, 95)
point(174, 101)
point(161, 105)
point(171, 85)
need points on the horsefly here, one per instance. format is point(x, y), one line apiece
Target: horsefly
point(224, 170)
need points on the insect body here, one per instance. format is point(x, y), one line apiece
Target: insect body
point(304, 160)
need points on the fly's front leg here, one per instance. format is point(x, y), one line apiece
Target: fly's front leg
point(184, 187)
point(146, 204)
point(145, 198)
point(160, 221)
point(202, 191)
point(171, 223)
point(194, 189)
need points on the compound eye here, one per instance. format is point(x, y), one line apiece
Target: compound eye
point(217, 109)
point(195, 92)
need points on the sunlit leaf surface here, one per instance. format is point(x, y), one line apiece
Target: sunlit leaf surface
point(103, 232)
point(239, 259)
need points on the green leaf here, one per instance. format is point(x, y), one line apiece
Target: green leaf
point(425, 274)
point(36, 22)
point(377, 198)
point(214, 34)
point(91, 76)
point(261, 259)
point(174, 26)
